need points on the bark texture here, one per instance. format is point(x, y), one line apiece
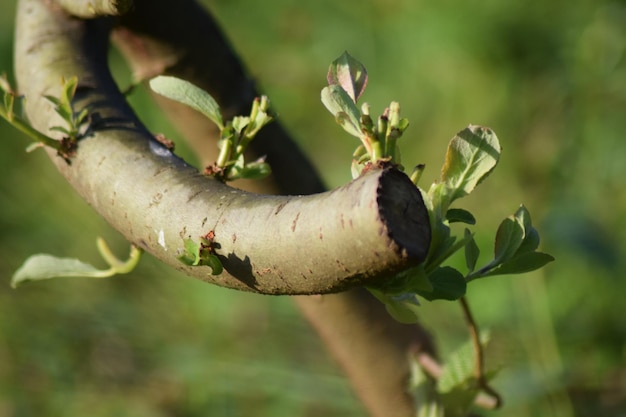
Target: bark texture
point(361, 233)
point(184, 41)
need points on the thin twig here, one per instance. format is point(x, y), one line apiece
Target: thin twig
point(479, 364)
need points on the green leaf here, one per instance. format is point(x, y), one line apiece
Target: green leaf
point(68, 91)
point(186, 93)
point(191, 254)
point(472, 251)
point(195, 255)
point(256, 170)
point(525, 262)
point(418, 280)
point(472, 154)
point(448, 284)
point(60, 129)
point(239, 123)
point(339, 103)
point(459, 365)
point(43, 266)
point(509, 238)
point(402, 308)
point(531, 236)
point(213, 262)
point(458, 215)
point(350, 74)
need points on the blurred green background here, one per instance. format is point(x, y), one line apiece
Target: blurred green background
point(548, 77)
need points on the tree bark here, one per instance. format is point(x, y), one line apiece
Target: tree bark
point(372, 348)
point(361, 233)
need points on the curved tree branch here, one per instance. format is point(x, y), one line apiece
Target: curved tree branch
point(371, 347)
point(358, 234)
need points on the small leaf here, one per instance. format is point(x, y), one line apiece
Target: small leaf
point(191, 254)
point(60, 129)
point(526, 262)
point(186, 93)
point(404, 311)
point(457, 215)
point(43, 266)
point(213, 262)
point(239, 123)
point(531, 236)
point(337, 101)
point(448, 284)
point(408, 281)
point(195, 255)
point(350, 74)
point(460, 365)
point(68, 91)
point(472, 154)
point(256, 170)
point(472, 252)
point(53, 100)
point(509, 237)
point(402, 308)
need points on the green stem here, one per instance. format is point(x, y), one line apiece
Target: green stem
point(479, 361)
point(432, 265)
point(377, 150)
point(25, 128)
point(225, 151)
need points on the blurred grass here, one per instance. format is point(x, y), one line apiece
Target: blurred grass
point(548, 77)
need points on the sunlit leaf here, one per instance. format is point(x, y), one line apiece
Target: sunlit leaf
point(43, 266)
point(186, 93)
point(191, 254)
point(339, 103)
point(348, 73)
point(472, 154)
point(195, 255)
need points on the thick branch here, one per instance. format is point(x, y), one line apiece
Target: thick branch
point(371, 347)
point(358, 234)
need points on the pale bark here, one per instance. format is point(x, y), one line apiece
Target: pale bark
point(371, 347)
point(358, 234)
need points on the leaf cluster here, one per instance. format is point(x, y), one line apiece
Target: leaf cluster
point(12, 111)
point(471, 156)
point(201, 254)
point(347, 79)
point(235, 134)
